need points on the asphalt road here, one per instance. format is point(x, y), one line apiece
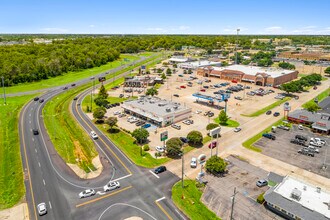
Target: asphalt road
point(48, 179)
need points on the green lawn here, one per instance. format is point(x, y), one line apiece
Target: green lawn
point(69, 139)
point(206, 139)
point(230, 123)
point(69, 77)
point(11, 171)
point(320, 96)
point(249, 143)
point(146, 54)
point(125, 142)
point(267, 108)
point(191, 205)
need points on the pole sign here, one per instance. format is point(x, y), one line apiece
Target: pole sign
point(287, 106)
point(215, 131)
point(202, 159)
point(164, 136)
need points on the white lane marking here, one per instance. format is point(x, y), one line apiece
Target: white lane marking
point(36, 150)
point(32, 139)
point(50, 205)
point(124, 204)
point(160, 199)
point(44, 182)
point(179, 214)
point(30, 122)
point(39, 164)
point(30, 115)
point(123, 177)
point(154, 174)
point(100, 193)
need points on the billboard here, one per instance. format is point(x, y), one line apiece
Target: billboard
point(164, 136)
point(215, 131)
point(202, 158)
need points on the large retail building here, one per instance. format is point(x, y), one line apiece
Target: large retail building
point(263, 76)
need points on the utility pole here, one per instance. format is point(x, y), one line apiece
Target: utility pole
point(237, 30)
point(4, 90)
point(232, 204)
point(182, 171)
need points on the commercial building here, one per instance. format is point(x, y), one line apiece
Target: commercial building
point(298, 200)
point(178, 59)
point(259, 75)
point(319, 122)
point(305, 55)
point(142, 81)
point(157, 111)
point(198, 64)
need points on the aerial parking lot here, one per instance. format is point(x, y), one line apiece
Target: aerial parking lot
point(282, 149)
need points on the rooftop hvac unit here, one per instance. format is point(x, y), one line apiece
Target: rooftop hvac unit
point(296, 194)
point(168, 109)
point(318, 189)
point(175, 107)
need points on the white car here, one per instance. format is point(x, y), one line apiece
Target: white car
point(193, 163)
point(117, 113)
point(315, 144)
point(198, 111)
point(187, 122)
point(160, 149)
point(300, 127)
point(87, 193)
point(94, 135)
point(42, 209)
point(318, 140)
point(237, 129)
point(111, 186)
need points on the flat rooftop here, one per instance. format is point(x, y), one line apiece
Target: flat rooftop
point(310, 198)
point(253, 70)
point(201, 63)
point(154, 107)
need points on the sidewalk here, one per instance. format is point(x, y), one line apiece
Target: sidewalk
point(231, 144)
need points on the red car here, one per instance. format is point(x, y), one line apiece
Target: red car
point(213, 144)
point(183, 87)
point(234, 81)
point(202, 90)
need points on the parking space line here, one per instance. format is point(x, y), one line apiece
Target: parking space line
point(103, 197)
point(163, 210)
point(50, 205)
point(154, 174)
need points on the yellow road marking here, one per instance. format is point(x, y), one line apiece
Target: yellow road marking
point(103, 197)
point(161, 208)
point(113, 153)
point(27, 165)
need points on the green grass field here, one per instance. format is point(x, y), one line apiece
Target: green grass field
point(125, 142)
point(70, 140)
point(267, 108)
point(320, 97)
point(69, 77)
point(191, 205)
point(11, 171)
point(230, 123)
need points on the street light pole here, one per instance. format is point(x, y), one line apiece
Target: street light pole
point(232, 204)
point(4, 90)
point(182, 171)
point(237, 30)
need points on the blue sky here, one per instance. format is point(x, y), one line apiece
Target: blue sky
point(165, 16)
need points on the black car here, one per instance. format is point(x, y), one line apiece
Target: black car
point(41, 100)
point(306, 152)
point(176, 95)
point(300, 137)
point(65, 88)
point(184, 140)
point(121, 95)
point(268, 112)
point(269, 136)
point(160, 169)
point(36, 99)
point(298, 141)
point(75, 98)
point(205, 87)
point(276, 114)
point(73, 84)
point(35, 131)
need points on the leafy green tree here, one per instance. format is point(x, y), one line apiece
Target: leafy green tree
point(287, 66)
point(100, 101)
point(289, 87)
point(99, 113)
point(163, 76)
point(159, 70)
point(111, 121)
point(175, 65)
point(223, 117)
point(327, 70)
point(211, 126)
point(311, 107)
point(140, 134)
point(103, 92)
point(168, 71)
point(184, 71)
point(195, 137)
point(152, 91)
point(215, 165)
point(173, 147)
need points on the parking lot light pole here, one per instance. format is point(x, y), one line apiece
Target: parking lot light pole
point(232, 204)
point(237, 31)
point(217, 145)
point(182, 171)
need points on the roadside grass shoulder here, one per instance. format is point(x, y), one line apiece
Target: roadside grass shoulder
point(229, 123)
point(188, 199)
point(70, 140)
point(11, 170)
point(69, 77)
point(320, 97)
point(267, 108)
point(249, 143)
point(126, 143)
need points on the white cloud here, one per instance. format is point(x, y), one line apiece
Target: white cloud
point(92, 26)
point(55, 30)
point(273, 29)
point(183, 27)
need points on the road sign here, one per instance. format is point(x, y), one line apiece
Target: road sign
point(215, 131)
point(202, 158)
point(143, 67)
point(287, 106)
point(164, 136)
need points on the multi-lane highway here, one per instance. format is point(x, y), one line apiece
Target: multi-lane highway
point(48, 179)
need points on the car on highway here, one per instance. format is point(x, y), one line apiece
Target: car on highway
point(65, 88)
point(146, 126)
point(35, 131)
point(73, 84)
point(42, 209)
point(111, 186)
point(193, 162)
point(87, 193)
point(238, 129)
point(94, 135)
point(276, 114)
point(41, 100)
point(269, 136)
point(75, 98)
point(261, 183)
point(160, 169)
point(268, 112)
point(36, 99)
point(160, 149)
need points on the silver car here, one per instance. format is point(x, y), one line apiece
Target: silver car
point(87, 193)
point(111, 186)
point(42, 209)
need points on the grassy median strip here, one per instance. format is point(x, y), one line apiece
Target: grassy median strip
point(267, 108)
point(319, 97)
point(230, 123)
point(70, 140)
point(249, 143)
point(191, 203)
point(11, 171)
point(70, 77)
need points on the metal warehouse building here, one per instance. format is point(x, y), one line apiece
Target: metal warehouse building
point(157, 111)
point(259, 75)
